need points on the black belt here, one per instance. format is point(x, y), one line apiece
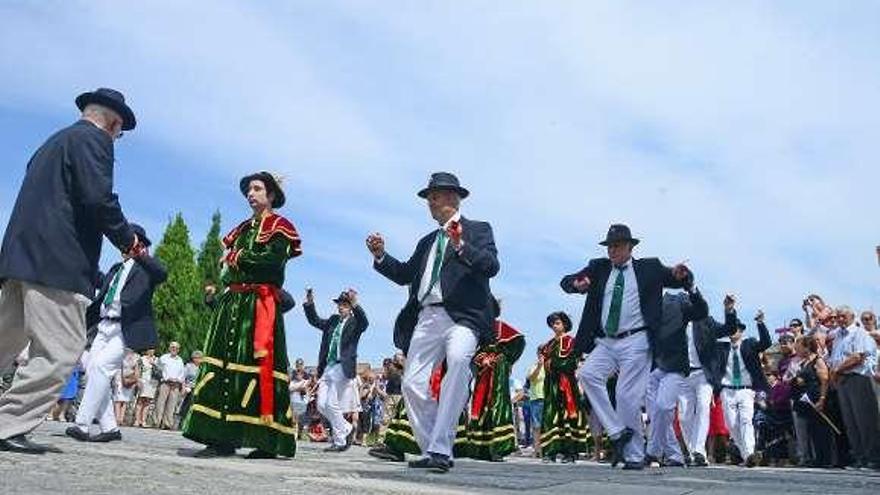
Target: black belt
point(434, 305)
point(732, 387)
point(696, 369)
point(112, 320)
point(623, 335)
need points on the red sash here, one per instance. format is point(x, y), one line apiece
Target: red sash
point(264, 342)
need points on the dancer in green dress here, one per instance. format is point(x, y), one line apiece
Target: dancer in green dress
point(490, 434)
point(240, 398)
point(564, 426)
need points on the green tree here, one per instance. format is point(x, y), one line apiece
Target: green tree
point(178, 302)
point(210, 253)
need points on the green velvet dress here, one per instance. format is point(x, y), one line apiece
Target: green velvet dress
point(228, 407)
point(564, 424)
point(490, 433)
point(399, 436)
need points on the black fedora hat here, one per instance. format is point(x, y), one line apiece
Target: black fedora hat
point(343, 298)
point(619, 232)
point(112, 99)
point(141, 233)
point(446, 181)
point(272, 185)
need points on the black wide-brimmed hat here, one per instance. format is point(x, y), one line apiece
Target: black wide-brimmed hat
point(141, 233)
point(112, 99)
point(619, 232)
point(445, 181)
point(272, 185)
point(562, 316)
point(343, 298)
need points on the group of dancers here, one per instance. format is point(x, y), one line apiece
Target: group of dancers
point(459, 353)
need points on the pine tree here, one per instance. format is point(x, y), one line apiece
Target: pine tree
point(210, 253)
point(178, 302)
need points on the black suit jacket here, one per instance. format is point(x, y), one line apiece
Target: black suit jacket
point(464, 282)
point(651, 275)
point(64, 207)
point(670, 342)
point(136, 298)
point(706, 333)
point(348, 341)
point(750, 349)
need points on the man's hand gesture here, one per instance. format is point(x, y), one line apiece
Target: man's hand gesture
point(376, 245)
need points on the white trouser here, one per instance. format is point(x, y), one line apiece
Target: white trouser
point(739, 408)
point(694, 408)
point(103, 362)
point(436, 337)
point(630, 358)
point(331, 389)
point(664, 391)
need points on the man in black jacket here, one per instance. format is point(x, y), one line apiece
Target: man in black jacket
point(123, 315)
point(696, 400)
point(337, 359)
point(667, 380)
point(49, 259)
point(447, 314)
point(620, 320)
point(738, 373)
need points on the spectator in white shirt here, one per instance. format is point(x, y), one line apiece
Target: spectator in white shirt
point(173, 376)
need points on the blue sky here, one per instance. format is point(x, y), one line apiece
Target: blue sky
point(742, 137)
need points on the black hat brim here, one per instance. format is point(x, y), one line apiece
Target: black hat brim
point(142, 234)
point(631, 240)
point(462, 192)
point(128, 120)
point(271, 184)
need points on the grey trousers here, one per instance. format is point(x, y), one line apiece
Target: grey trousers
point(53, 321)
point(861, 417)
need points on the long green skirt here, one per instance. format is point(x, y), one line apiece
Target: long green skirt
point(491, 435)
point(399, 436)
point(225, 408)
point(563, 432)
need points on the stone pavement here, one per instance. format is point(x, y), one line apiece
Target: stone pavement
point(150, 462)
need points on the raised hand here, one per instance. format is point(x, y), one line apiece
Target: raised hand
point(352, 296)
point(581, 284)
point(680, 271)
point(729, 303)
point(310, 296)
point(454, 230)
point(759, 317)
point(376, 245)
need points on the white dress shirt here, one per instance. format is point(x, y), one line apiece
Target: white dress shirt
point(114, 309)
point(854, 340)
point(630, 309)
point(693, 356)
point(436, 294)
point(173, 369)
point(745, 377)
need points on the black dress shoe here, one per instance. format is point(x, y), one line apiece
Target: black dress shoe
point(22, 445)
point(700, 460)
point(337, 448)
point(386, 454)
point(423, 463)
point(619, 444)
point(76, 433)
point(107, 436)
point(212, 451)
point(568, 459)
point(650, 460)
point(435, 462)
point(672, 463)
point(260, 454)
point(633, 466)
